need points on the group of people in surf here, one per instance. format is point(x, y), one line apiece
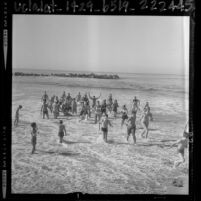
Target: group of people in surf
point(84, 108)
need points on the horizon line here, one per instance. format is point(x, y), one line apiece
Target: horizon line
point(97, 71)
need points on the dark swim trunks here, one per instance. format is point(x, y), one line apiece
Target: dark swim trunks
point(130, 128)
point(61, 134)
point(33, 140)
point(104, 129)
point(124, 116)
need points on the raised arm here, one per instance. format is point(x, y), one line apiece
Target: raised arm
point(99, 96)
point(90, 96)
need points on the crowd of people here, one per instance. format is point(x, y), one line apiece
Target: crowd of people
point(87, 107)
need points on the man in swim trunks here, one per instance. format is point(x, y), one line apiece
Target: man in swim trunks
point(105, 122)
point(131, 127)
point(44, 109)
point(97, 112)
point(103, 106)
point(17, 115)
point(62, 131)
point(124, 115)
point(78, 97)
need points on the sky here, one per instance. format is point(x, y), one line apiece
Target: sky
point(130, 44)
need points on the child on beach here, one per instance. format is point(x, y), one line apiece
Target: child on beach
point(17, 115)
point(62, 131)
point(131, 127)
point(146, 116)
point(104, 126)
point(34, 133)
point(182, 144)
point(124, 115)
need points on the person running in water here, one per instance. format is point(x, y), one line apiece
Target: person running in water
point(62, 131)
point(146, 116)
point(146, 107)
point(131, 127)
point(136, 104)
point(44, 97)
point(182, 144)
point(63, 97)
point(94, 99)
point(34, 134)
point(17, 115)
point(105, 122)
point(44, 110)
point(124, 116)
point(84, 114)
point(115, 106)
point(97, 112)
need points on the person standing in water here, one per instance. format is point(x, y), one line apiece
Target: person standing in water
point(74, 106)
point(146, 107)
point(146, 116)
point(131, 127)
point(78, 97)
point(105, 122)
point(17, 115)
point(97, 112)
point(44, 110)
point(115, 106)
point(62, 131)
point(44, 97)
point(34, 134)
point(136, 105)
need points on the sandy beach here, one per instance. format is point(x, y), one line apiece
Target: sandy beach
point(84, 163)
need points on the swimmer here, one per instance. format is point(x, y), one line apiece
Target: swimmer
point(62, 131)
point(115, 106)
point(78, 97)
point(131, 127)
point(94, 99)
point(44, 109)
point(124, 115)
point(105, 122)
point(97, 112)
point(34, 134)
point(136, 104)
point(17, 115)
point(182, 144)
point(146, 116)
point(44, 97)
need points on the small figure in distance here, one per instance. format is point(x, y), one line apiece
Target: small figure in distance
point(124, 115)
point(34, 134)
point(94, 100)
point(62, 131)
point(136, 105)
point(146, 116)
point(182, 144)
point(44, 97)
point(115, 106)
point(44, 109)
point(17, 115)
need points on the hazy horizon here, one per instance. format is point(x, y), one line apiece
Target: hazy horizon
point(123, 44)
